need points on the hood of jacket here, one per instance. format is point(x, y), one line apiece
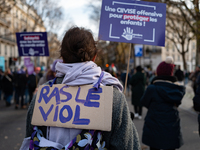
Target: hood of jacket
point(169, 91)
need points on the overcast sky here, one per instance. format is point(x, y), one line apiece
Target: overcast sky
point(78, 12)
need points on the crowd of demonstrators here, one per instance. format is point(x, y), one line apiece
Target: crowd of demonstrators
point(7, 84)
point(79, 51)
point(16, 86)
point(137, 82)
point(21, 86)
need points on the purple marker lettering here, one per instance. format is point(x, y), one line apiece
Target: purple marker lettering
point(69, 96)
point(56, 114)
point(44, 95)
point(91, 96)
point(55, 93)
point(45, 115)
point(77, 119)
point(70, 114)
point(77, 95)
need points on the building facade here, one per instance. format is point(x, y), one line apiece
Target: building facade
point(19, 18)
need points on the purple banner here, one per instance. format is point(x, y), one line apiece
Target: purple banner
point(30, 68)
point(29, 65)
point(129, 21)
point(32, 44)
point(27, 61)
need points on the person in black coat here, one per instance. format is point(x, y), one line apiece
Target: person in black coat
point(137, 83)
point(7, 82)
point(196, 101)
point(179, 75)
point(20, 85)
point(162, 123)
point(1, 86)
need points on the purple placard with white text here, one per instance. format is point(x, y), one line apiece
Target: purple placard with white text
point(27, 61)
point(129, 21)
point(29, 65)
point(32, 44)
point(30, 69)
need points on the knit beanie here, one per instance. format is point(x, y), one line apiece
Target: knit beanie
point(166, 68)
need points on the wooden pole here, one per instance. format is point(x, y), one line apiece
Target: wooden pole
point(127, 71)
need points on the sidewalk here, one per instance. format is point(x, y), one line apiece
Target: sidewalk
point(187, 103)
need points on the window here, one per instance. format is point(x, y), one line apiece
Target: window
point(173, 48)
point(193, 45)
point(0, 48)
point(16, 13)
point(167, 46)
point(173, 57)
point(5, 49)
point(11, 51)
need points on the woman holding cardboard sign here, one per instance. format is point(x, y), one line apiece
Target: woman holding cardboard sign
point(78, 51)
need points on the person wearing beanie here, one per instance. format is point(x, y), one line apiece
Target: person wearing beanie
point(162, 97)
point(137, 83)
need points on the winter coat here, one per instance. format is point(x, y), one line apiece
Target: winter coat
point(162, 123)
point(21, 80)
point(179, 74)
point(32, 81)
point(7, 84)
point(196, 101)
point(137, 83)
point(122, 125)
point(1, 86)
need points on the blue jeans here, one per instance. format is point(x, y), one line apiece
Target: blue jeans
point(8, 98)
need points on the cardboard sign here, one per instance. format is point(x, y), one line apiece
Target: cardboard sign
point(32, 44)
point(82, 107)
point(131, 21)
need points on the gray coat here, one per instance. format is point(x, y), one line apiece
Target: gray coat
point(123, 135)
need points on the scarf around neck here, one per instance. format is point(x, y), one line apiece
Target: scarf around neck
point(84, 73)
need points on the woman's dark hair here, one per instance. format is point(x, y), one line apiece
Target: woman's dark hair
point(78, 45)
point(139, 69)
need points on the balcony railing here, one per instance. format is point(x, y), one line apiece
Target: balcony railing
point(4, 21)
point(8, 39)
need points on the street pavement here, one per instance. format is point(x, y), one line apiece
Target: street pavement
point(189, 123)
point(13, 122)
point(12, 126)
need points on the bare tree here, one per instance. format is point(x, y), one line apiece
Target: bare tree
point(48, 12)
point(95, 8)
point(190, 11)
point(178, 32)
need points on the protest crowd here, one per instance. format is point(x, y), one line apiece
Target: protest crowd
point(160, 91)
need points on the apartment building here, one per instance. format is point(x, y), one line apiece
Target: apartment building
point(20, 18)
